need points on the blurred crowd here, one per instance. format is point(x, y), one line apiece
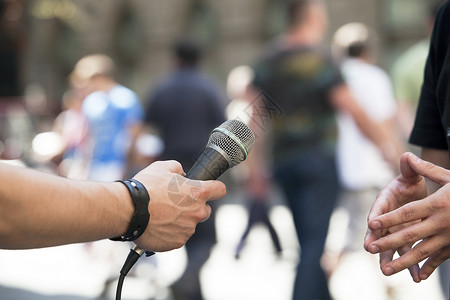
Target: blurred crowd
point(331, 125)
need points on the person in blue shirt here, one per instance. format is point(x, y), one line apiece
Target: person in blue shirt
point(114, 114)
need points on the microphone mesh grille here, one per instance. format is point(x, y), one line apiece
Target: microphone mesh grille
point(235, 138)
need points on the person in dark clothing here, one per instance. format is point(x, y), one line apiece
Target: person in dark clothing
point(183, 110)
point(418, 199)
point(301, 79)
point(185, 107)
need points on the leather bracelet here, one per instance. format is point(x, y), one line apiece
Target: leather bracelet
point(141, 216)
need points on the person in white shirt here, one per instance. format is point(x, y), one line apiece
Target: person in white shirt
point(362, 169)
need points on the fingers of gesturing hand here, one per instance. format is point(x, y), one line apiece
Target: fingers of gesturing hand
point(389, 266)
point(370, 237)
point(403, 215)
point(386, 258)
point(418, 220)
point(408, 213)
point(406, 168)
point(411, 257)
point(433, 262)
point(429, 170)
point(381, 204)
point(414, 269)
point(408, 235)
point(396, 224)
point(396, 194)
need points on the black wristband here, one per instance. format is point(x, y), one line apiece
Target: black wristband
point(141, 216)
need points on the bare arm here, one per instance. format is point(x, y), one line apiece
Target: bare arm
point(41, 210)
point(381, 134)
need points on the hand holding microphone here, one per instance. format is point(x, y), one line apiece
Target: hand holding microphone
point(176, 212)
point(171, 224)
point(176, 209)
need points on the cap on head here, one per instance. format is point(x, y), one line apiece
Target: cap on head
point(353, 40)
point(93, 65)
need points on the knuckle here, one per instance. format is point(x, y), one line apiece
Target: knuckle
point(443, 226)
point(429, 166)
point(439, 204)
point(201, 214)
point(207, 212)
point(223, 189)
point(421, 254)
point(435, 262)
point(187, 234)
point(158, 163)
point(179, 244)
point(442, 254)
point(198, 193)
point(409, 236)
point(408, 214)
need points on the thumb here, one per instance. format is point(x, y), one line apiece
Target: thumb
point(406, 162)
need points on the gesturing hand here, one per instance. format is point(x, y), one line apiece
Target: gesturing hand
point(403, 214)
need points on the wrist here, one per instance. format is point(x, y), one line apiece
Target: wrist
point(140, 218)
point(124, 209)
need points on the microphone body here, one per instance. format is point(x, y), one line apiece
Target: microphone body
point(209, 166)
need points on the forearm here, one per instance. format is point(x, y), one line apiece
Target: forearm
point(41, 210)
point(343, 100)
point(379, 134)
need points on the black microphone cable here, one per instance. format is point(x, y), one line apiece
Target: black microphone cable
point(133, 256)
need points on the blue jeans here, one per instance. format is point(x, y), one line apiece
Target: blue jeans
point(310, 184)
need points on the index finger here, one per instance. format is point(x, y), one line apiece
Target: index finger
point(378, 208)
point(410, 212)
point(429, 170)
point(370, 237)
point(174, 167)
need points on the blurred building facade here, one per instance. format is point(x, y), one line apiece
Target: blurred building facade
point(51, 35)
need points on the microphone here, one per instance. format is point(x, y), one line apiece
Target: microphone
point(228, 145)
